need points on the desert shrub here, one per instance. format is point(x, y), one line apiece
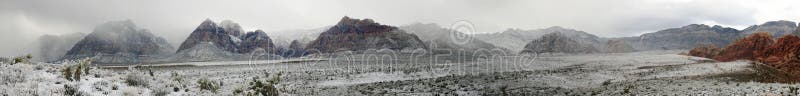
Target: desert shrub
point(150, 71)
point(162, 92)
point(67, 73)
point(74, 72)
point(135, 79)
point(77, 73)
point(22, 59)
point(206, 84)
point(86, 63)
point(265, 87)
point(70, 90)
point(176, 77)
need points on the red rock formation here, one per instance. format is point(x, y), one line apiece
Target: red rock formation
point(782, 55)
point(745, 48)
point(705, 50)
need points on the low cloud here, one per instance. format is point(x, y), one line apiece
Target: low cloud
point(25, 20)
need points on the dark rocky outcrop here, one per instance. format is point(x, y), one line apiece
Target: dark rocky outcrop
point(358, 35)
point(558, 43)
point(208, 31)
point(776, 28)
point(210, 42)
point(119, 42)
point(256, 40)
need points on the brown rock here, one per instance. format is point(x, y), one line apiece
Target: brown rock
point(745, 48)
point(705, 50)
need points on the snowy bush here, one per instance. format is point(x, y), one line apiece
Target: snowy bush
point(264, 88)
point(22, 59)
point(73, 72)
point(136, 79)
point(206, 84)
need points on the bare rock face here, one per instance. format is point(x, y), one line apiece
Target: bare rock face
point(745, 48)
point(357, 35)
point(685, 37)
point(783, 54)
point(255, 40)
point(776, 28)
point(219, 36)
point(705, 50)
point(797, 30)
point(558, 43)
point(119, 42)
point(210, 42)
point(618, 46)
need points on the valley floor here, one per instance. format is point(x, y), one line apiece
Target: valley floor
point(638, 73)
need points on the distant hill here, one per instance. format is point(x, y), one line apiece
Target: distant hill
point(685, 37)
point(515, 39)
point(440, 38)
point(558, 42)
point(120, 42)
point(776, 28)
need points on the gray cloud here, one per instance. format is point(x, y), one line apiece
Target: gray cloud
point(25, 20)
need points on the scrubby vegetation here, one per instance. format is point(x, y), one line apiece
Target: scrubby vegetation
point(74, 72)
point(16, 60)
point(262, 88)
point(136, 79)
point(210, 85)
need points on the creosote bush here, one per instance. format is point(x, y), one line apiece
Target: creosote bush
point(265, 87)
point(22, 59)
point(136, 79)
point(206, 84)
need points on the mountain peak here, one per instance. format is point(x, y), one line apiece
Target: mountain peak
point(779, 22)
point(350, 25)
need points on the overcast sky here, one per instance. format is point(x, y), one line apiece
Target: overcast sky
point(24, 20)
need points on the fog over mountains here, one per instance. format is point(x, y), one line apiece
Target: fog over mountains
point(123, 42)
point(26, 20)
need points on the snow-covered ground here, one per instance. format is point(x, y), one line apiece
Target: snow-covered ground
point(638, 73)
